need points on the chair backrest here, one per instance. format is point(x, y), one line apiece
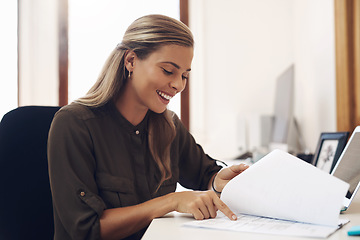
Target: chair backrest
point(25, 195)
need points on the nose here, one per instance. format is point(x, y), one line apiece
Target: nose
point(178, 84)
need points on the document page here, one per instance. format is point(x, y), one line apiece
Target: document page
point(256, 224)
point(282, 194)
point(283, 186)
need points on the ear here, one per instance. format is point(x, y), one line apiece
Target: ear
point(129, 60)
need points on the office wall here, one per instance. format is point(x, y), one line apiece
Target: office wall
point(241, 48)
point(315, 105)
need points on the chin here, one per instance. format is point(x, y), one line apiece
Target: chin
point(158, 110)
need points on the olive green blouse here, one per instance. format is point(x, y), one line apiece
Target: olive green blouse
point(98, 160)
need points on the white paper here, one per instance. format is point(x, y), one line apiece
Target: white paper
point(254, 224)
point(284, 187)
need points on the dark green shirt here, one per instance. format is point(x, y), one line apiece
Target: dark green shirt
point(98, 160)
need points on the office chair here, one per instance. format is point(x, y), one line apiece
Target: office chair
point(25, 196)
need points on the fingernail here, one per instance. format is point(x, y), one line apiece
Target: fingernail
point(234, 217)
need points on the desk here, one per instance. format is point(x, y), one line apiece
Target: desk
point(170, 227)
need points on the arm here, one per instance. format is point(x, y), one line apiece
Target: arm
point(71, 171)
point(118, 223)
point(121, 222)
point(197, 169)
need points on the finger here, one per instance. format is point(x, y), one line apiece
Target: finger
point(209, 202)
point(204, 210)
point(201, 204)
point(239, 168)
point(244, 166)
point(224, 209)
point(212, 210)
point(195, 209)
point(206, 204)
point(197, 214)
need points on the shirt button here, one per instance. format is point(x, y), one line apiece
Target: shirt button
point(137, 132)
point(82, 194)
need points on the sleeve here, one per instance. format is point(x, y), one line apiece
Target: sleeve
point(195, 167)
point(77, 206)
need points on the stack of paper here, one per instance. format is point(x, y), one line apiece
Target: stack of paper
point(281, 186)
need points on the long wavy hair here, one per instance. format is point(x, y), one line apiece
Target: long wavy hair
point(144, 36)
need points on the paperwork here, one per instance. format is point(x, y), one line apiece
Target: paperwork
point(256, 224)
point(282, 187)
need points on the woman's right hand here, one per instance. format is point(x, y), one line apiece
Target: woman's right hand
point(201, 204)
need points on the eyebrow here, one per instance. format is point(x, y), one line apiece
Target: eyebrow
point(177, 66)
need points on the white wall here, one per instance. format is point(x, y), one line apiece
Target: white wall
point(315, 76)
point(241, 48)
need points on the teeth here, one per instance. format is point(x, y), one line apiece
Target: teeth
point(167, 97)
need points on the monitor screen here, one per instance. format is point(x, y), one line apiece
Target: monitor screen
point(283, 112)
point(348, 165)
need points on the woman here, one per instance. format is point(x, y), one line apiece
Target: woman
point(116, 154)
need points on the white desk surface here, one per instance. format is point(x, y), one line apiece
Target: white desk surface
point(170, 227)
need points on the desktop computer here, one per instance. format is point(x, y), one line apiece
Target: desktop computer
point(278, 131)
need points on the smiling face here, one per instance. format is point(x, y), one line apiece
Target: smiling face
point(154, 80)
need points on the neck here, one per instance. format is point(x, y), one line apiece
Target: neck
point(129, 109)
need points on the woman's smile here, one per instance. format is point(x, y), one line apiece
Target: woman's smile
point(164, 97)
point(154, 81)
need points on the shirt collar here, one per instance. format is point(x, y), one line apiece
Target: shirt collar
point(141, 128)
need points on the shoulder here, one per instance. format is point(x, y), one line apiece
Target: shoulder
point(76, 110)
point(82, 112)
point(76, 116)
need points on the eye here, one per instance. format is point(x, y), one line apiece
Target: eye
point(167, 72)
point(185, 77)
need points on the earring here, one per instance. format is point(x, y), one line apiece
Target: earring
point(129, 75)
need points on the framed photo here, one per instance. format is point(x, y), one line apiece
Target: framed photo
point(329, 149)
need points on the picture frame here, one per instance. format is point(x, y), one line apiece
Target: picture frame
point(329, 149)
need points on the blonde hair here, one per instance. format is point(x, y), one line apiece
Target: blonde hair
point(144, 36)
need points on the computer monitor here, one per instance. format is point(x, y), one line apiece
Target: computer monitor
point(347, 167)
point(284, 104)
point(285, 134)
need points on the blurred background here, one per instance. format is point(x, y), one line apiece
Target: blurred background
point(53, 50)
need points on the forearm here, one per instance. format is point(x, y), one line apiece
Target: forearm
point(121, 222)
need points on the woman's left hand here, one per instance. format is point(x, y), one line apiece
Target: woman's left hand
point(226, 174)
